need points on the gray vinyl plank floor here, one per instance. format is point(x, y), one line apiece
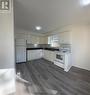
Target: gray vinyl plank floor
point(45, 78)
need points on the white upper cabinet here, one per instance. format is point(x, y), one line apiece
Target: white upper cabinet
point(53, 40)
point(62, 37)
point(35, 39)
point(20, 35)
point(20, 42)
point(41, 40)
point(28, 38)
point(31, 39)
point(65, 37)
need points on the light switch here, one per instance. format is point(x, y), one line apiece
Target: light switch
point(4, 4)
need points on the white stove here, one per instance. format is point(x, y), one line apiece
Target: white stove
point(63, 59)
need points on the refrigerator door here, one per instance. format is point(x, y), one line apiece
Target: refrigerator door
point(20, 50)
point(20, 54)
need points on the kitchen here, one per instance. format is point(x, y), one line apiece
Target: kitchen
point(44, 47)
point(35, 46)
point(47, 57)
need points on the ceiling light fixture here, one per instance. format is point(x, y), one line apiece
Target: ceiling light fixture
point(85, 2)
point(38, 27)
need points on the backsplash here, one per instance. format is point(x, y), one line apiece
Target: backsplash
point(65, 47)
point(39, 46)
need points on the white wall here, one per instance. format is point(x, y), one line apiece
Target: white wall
point(6, 40)
point(89, 45)
point(80, 52)
point(7, 66)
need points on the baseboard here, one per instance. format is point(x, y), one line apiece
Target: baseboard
point(78, 68)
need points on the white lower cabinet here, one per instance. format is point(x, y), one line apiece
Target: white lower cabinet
point(49, 55)
point(37, 54)
point(52, 56)
point(34, 54)
point(45, 54)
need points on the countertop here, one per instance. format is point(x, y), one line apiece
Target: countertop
point(37, 48)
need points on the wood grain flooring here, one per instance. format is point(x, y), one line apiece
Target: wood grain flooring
point(45, 78)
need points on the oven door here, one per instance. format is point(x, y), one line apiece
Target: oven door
point(60, 58)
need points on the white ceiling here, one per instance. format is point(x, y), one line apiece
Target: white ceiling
point(49, 14)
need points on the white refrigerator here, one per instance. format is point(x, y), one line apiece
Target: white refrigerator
point(20, 50)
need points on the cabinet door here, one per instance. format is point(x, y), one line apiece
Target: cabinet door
point(20, 42)
point(20, 35)
point(65, 37)
point(39, 54)
point(45, 54)
point(49, 55)
point(52, 56)
point(29, 39)
point(34, 39)
point(34, 54)
point(30, 55)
